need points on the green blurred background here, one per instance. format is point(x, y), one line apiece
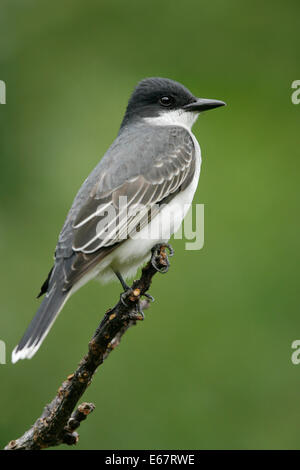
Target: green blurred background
point(211, 365)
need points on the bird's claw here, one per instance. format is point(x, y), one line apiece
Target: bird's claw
point(149, 297)
point(134, 296)
point(159, 258)
point(138, 315)
point(124, 296)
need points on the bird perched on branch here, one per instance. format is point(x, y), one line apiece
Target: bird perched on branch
point(135, 198)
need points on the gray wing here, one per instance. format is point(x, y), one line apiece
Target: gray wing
point(123, 193)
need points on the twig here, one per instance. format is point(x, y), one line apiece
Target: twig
point(58, 421)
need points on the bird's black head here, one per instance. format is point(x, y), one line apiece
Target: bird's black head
point(164, 98)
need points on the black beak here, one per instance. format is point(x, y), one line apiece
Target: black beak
point(202, 104)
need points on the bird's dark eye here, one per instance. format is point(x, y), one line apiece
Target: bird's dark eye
point(166, 100)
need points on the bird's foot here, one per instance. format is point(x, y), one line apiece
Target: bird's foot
point(159, 258)
point(149, 297)
point(125, 295)
point(138, 314)
point(134, 296)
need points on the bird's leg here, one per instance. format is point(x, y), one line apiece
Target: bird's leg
point(159, 258)
point(122, 281)
point(127, 290)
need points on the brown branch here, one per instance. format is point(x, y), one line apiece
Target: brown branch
point(58, 421)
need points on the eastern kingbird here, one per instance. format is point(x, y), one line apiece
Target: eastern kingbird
point(154, 166)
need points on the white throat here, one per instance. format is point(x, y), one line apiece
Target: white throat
point(174, 118)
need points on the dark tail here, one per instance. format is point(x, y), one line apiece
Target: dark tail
point(39, 327)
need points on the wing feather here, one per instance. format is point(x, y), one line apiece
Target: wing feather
point(104, 221)
point(125, 196)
